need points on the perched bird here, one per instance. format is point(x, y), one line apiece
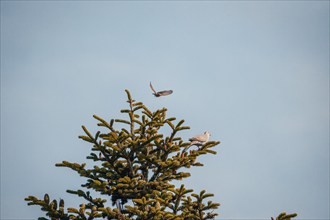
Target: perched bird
point(160, 93)
point(199, 140)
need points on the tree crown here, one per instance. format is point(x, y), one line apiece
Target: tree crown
point(136, 165)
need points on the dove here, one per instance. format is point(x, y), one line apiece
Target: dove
point(160, 93)
point(199, 140)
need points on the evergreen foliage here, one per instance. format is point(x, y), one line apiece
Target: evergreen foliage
point(284, 216)
point(135, 167)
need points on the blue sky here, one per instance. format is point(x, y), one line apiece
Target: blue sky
point(253, 73)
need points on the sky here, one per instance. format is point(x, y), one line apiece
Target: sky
point(253, 73)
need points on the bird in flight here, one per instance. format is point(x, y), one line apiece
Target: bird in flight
point(160, 93)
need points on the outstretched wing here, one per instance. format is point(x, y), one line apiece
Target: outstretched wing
point(152, 88)
point(165, 92)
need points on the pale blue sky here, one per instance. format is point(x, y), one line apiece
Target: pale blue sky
point(253, 73)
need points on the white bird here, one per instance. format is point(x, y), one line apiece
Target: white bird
point(160, 93)
point(199, 140)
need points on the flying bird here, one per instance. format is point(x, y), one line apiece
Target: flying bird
point(160, 93)
point(199, 140)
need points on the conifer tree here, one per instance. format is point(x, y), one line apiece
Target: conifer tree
point(136, 166)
